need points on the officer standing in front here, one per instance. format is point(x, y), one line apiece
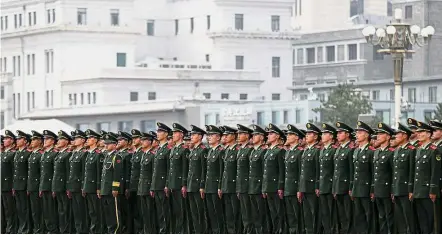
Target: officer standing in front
point(437, 141)
point(124, 149)
point(7, 174)
point(135, 166)
point(34, 181)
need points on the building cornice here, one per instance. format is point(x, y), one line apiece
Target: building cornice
point(256, 3)
point(240, 34)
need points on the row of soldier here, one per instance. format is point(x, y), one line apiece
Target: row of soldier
point(244, 180)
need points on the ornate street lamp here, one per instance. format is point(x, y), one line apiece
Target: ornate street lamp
point(395, 39)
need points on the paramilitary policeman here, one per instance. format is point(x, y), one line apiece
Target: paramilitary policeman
point(49, 211)
point(125, 152)
point(363, 167)
point(135, 166)
point(256, 170)
point(19, 182)
point(242, 177)
point(382, 178)
point(273, 177)
point(159, 177)
point(412, 125)
point(60, 178)
point(343, 177)
point(75, 179)
point(326, 169)
point(292, 170)
point(7, 175)
point(308, 191)
point(34, 181)
point(426, 184)
point(213, 174)
point(143, 191)
point(403, 180)
point(228, 182)
point(437, 140)
point(91, 181)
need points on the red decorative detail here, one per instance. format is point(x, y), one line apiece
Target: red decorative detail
point(118, 161)
point(97, 151)
point(411, 147)
point(433, 147)
point(371, 148)
point(300, 148)
point(391, 149)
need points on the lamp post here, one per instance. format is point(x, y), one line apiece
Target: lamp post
point(395, 39)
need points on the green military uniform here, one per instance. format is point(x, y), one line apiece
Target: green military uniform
point(242, 180)
point(91, 183)
point(143, 191)
point(178, 168)
point(19, 183)
point(292, 171)
point(326, 169)
point(437, 125)
point(212, 177)
point(382, 182)
point(427, 174)
point(273, 181)
point(343, 180)
point(59, 183)
point(49, 211)
point(8, 205)
point(196, 181)
point(134, 199)
point(32, 187)
point(159, 177)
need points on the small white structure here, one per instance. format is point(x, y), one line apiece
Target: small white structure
point(27, 126)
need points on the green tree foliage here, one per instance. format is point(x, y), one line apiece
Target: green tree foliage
point(437, 113)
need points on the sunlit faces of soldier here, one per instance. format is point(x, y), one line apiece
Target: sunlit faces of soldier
point(35, 143)
point(136, 141)
point(414, 134)
point(91, 141)
point(326, 137)
point(343, 136)
point(177, 136)
point(311, 137)
point(382, 138)
point(229, 138)
point(48, 142)
point(155, 143)
point(21, 142)
point(361, 136)
point(257, 138)
point(401, 138)
point(223, 139)
point(100, 143)
point(8, 142)
point(110, 147)
point(195, 138)
point(243, 137)
point(272, 137)
point(291, 138)
point(78, 141)
point(393, 142)
point(437, 134)
point(423, 136)
point(62, 143)
point(146, 143)
point(122, 143)
point(162, 135)
point(214, 139)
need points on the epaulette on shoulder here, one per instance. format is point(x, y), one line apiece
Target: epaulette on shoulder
point(83, 150)
point(130, 151)
point(371, 148)
point(185, 146)
point(220, 147)
point(352, 145)
point(264, 146)
point(97, 151)
point(41, 151)
point(202, 146)
point(238, 147)
point(13, 150)
point(68, 150)
point(318, 146)
point(391, 149)
point(411, 146)
point(300, 148)
point(169, 146)
point(433, 147)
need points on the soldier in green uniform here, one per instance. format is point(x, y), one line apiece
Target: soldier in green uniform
point(242, 177)
point(135, 166)
point(195, 180)
point(437, 140)
point(178, 168)
point(256, 170)
point(75, 179)
point(212, 189)
point(292, 161)
point(403, 180)
point(426, 184)
point(7, 174)
point(382, 178)
point(90, 188)
point(59, 181)
point(159, 176)
point(19, 181)
point(308, 191)
point(412, 124)
point(188, 215)
point(110, 187)
point(49, 211)
point(273, 177)
point(34, 181)
point(343, 177)
point(363, 167)
point(326, 169)
point(143, 191)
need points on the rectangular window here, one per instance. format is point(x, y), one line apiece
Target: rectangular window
point(286, 117)
point(303, 97)
point(352, 52)
point(125, 126)
point(81, 98)
point(115, 17)
point(28, 99)
point(83, 126)
point(391, 94)
point(275, 24)
point(133, 96)
point(18, 66)
point(52, 98)
point(151, 95)
point(330, 53)
point(311, 55)
point(20, 20)
point(33, 100)
point(53, 15)
point(48, 16)
point(1, 23)
point(177, 28)
point(29, 18)
point(428, 115)
point(33, 63)
point(321, 97)
point(298, 116)
point(6, 22)
point(208, 22)
point(276, 96)
point(34, 14)
point(243, 96)
point(81, 16)
point(275, 117)
point(94, 97)
point(70, 99)
point(341, 52)
point(191, 25)
point(376, 95)
point(412, 95)
point(2, 119)
point(121, 59)
point(49, 61)
point(408, 12)
point(5, 64)
point(300, 56)
point(276, 67)
point(15, 21)
point(103, 126)
point(207, 58)
point(260, 118)
point(47, 98)
point(14, 66)
point(239, 21)
point(224, 96)
point(75, 99)
point(150, 27)
point(377, 55)
point(206, 119)
point(18, 104)
point(2, 92)
point(14, 106)
point(88, 98)
point(432, 94)
point(147, 125)
point(28, 63)
point(239, 62)
point(383, 115)
point(206, 96)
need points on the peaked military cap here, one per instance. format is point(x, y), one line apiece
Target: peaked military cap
point(9, 134)
point(135, 133)
point(102, 133)
point(2, 137)
point(78, 134)
point(362, 126)
point(113, 134)
point(212, 129)
point(243, 129)
point(92, 134)
point(124, 135)
point(163, 127)
point(153, 134)
point(422, 126)
point(340, 126)
point(109, 139)
point(284, 137)
point(257, 130)
point(21, 134)
point(187, 136)
point(221, 128)
point(384, 128)
point(169, 135)
point(146, 136)
point(412, 123)
point(178, 127)
point(436, 124)
point(273, 128)
point(291, 129)
point(196, 130)
point(374, 137)
point(36, 135)
point(326, 128)
point(49, 134)
point(303, 131)
point(229, 130)
point(64, 135)
point(312, 128)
